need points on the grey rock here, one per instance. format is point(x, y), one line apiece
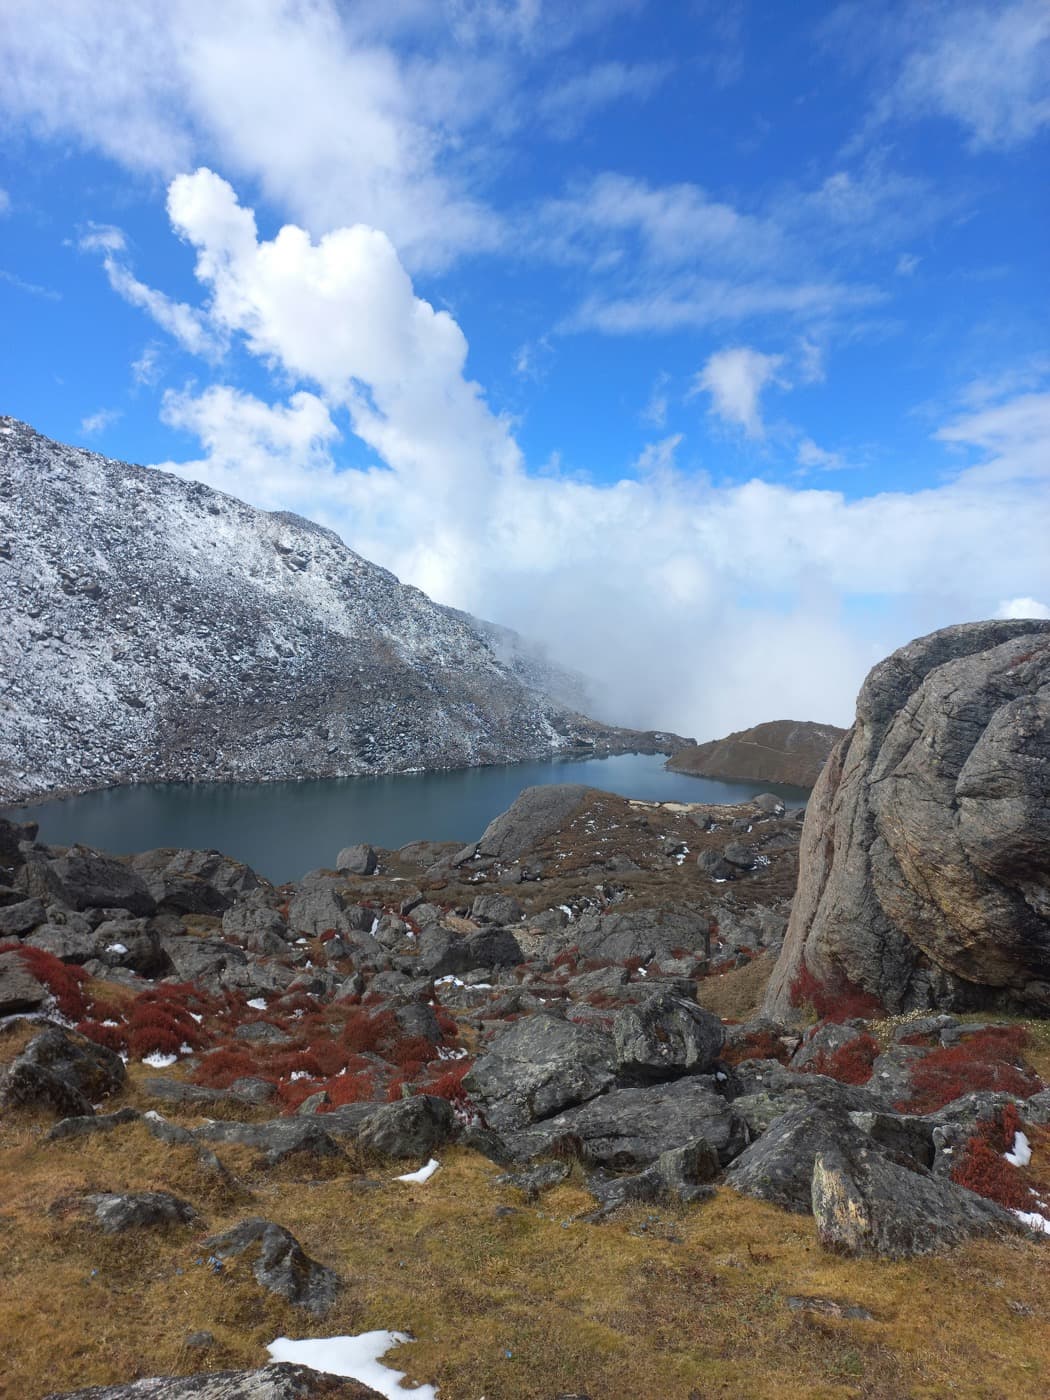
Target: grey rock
point(491, 947)
point(769, 803)
point(764, 1090)
point(94, 1123)
point(536, 814)
point(277, 1140)
point(714, 866)
point(411, 1127)
point(496, 909)
point(278, 1382)
point(357, 860)
point(84, 879)
point(778, 1168)
point(261, 1033)
point(738, 855)
point(21, 918)
point(62, 1071)
point(539, 1065)
point(865, 1203)
point(925, 853)
point(825, 1040)
point(116, 1212)
point(441, 952)
point(257, 928)
point(279, 1263)
point(194, 882)
point(664, 1037)
point(19, 989)
point(534, 1180)
point(70, 945)
point(627, 1129)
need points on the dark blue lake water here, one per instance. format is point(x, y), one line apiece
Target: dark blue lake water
point(285, 829)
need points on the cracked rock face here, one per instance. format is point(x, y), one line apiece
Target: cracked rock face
point(925, 859)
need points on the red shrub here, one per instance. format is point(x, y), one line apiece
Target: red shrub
point(63, 981)
point(106, 1010)
point(983, 1167)
point(351, 1088)
point(449, 1083)
point(985, 1061)
point(567, 959)
point(836, 1000)
point(850, 1063)
point(153, 1039)
point(112, 1037)
point(759, 1045)
point(219, 1069)
point(394, 1088)
point(447, 1024)
point(411, 1053)
point(370, 1032)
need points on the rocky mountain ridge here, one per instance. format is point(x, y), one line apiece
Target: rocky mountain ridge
point(152, 629)
point(786, 751)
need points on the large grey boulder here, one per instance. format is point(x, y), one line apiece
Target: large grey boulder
point(280, 1382)
point(19, 989)
point(279, 1263)
point(86, 879)
point(63, 1071)
point(628, 1129)
point(410, 1127)
point(538, 1066)
point(357, 860)
point(194, 882)
point(865, 1203)
point(535, 814)
point(21, 918)
point(664, 1037)
point(925, 858)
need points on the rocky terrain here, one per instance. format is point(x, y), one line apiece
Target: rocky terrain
point(791, 752)
point(446, 1081)
point(926, 851)
point(152, 629)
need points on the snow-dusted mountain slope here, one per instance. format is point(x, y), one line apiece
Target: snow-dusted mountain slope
point(152, 629)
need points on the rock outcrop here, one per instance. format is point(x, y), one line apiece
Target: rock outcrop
point(925, 859)
point(781, 751)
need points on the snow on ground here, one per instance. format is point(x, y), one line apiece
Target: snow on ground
point(424, 1173)
point(354, 1357)
point(258, 1003)
point(159, 1061)
point(1033, 1220)
point(1021, 1154)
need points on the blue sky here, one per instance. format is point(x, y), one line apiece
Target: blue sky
point(705, 341)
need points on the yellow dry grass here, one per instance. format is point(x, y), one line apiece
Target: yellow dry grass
point(661, 1303)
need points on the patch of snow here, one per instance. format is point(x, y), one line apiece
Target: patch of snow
point(116, 948)
point(159, 1061)
point(299, 1074)
point(354, 1357)
point(566, 910)
point(256, 1004)
point(449, 981)
point(446, 1052)
point(424, 1173)
point(199, 1019)
point(1033, 1220)
point(185, 1049)
point(1022, 1151)
point(111, 1023)
point(375, 927)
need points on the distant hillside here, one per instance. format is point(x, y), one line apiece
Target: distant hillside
point(780, 751)
point(152, 629)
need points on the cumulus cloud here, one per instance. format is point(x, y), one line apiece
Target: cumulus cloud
point(735, 379)
point(694, 606)
point(1022, 607)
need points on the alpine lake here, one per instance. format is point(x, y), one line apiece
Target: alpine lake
point(284, 829)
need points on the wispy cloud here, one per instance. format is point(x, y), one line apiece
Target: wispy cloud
point(100, 421)
point(735, 379)
point(5, 202)
point(566, 104)
point(32, 289)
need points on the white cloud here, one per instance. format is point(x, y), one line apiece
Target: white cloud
point(179, 320)
point(813, 458)
point(1016, 434)
point(32, 289)
point(5, 202)
point(735, 379)
point(146, 369)
point(655, 410)
point(981, 64)
point(745, 602)
point(907, 264)
point(330, 121)
point(565, 105)
point(100, 421)
point(1022, 607)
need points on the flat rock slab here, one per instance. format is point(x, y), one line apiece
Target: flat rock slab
point(19, 989)
point(277, 1139)
point(280, 1382)
point(538, 1066)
